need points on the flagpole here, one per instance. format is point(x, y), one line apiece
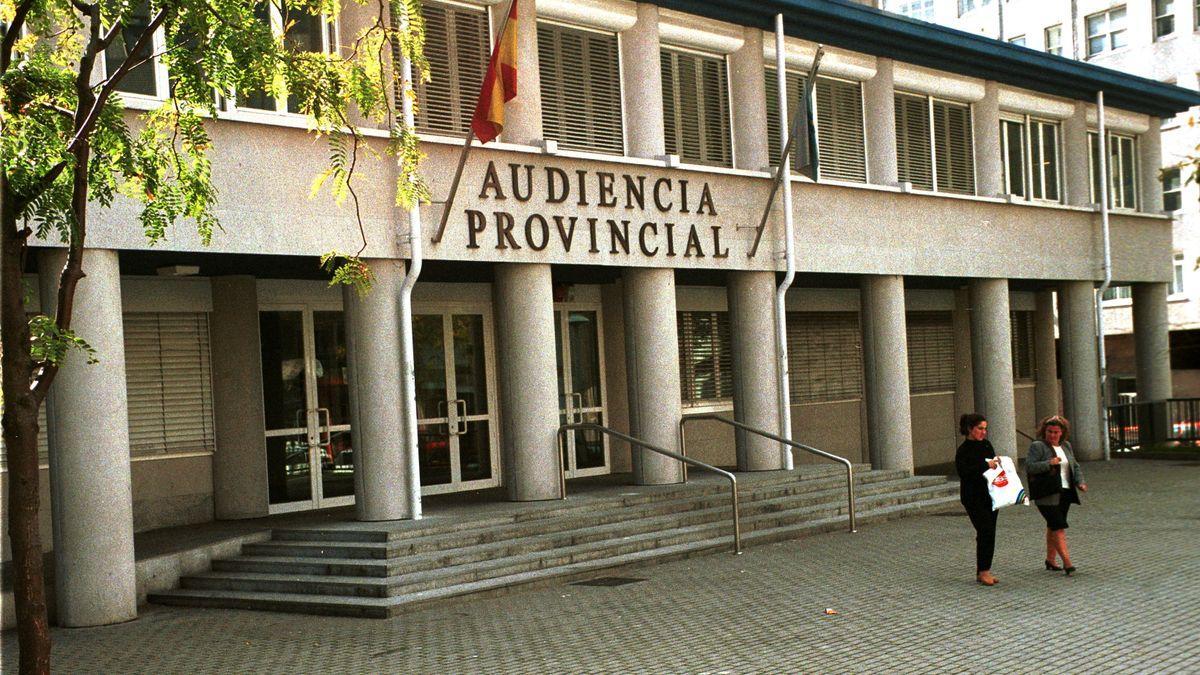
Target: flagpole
point(462, 159)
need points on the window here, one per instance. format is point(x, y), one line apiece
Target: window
point(696, 107)
point(1054, 40)
point(456, 49)
point(705, 357)
point(1164, 18)
point(302, 31)
point(1118, 293)
point(1030, 149)
point(965, 6)
point(143, 78)
point(1177, 273)
point(839, 122)
point(943, 160)
point(1018, 40)
point(1024, 361)
point(581, 88)
point(824, 356)
point(1106, 30)
point(930, 352)
point(169, 383)
point(1012, 138)
point(1172, 189)
point(1122, 170)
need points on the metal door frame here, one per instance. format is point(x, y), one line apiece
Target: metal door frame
point(562, 313)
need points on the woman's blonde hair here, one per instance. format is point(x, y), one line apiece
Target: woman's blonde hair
point(1054, 421)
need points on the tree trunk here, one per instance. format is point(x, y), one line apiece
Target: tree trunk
point(20, 440)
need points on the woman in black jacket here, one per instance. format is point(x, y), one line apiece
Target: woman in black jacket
point(975, 456)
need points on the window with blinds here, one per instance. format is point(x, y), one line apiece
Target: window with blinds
point(169, 383)
point(914, 149)
point(824, 356)
point(456, 49)
point(839, 121)
point(581, 88)
point(1122, 170)
point(930, 352)
point(696, 108)
point(934, 147)
point(1023, 357)
point(705, 357)
point(43, 445)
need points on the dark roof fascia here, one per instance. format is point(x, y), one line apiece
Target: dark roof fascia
point(848, 25)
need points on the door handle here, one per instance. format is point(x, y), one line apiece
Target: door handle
point(462, 416)
point(328, 444)
point(577, 403)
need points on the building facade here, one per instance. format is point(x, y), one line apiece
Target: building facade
point(603, 262)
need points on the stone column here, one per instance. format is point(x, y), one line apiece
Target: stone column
point(381, 485)
point(989, 169)
point(642, 81)
point(879, 96)
point(991, 356)
point(1076, 171)
point(523, 114)
point(88, 423)
point(1150, 163)
point(1081, 376)
point(239, 469)
point(751, 297)
point(1045, 392)
point(885, 366)
point(525, 360)
point(652, 370)
point(1152, 344)
point(746, 86)
point(964, 382)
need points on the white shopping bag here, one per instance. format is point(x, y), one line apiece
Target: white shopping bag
point(1004, 486)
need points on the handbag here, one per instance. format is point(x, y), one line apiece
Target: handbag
point(1004, 485)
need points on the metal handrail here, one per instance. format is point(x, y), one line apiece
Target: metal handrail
point(586, 426)
point(780, 439)
point(1026, 435)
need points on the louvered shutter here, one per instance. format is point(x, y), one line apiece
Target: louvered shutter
point(795, 89)
point(824, 356)
point(169, 383)
point(696, 108)
point(581, 89)
point(840, 139)
point(914, 156)
point(705, 356)
point(43, 445)
point(456, 49)
point(1023, 355)
point(930, 352)
point(953, 147)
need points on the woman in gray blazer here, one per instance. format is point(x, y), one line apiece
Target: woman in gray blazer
point(1055, 481)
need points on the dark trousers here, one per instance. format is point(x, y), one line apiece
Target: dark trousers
point(984, 520)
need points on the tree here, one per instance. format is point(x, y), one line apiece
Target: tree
point(68, 144)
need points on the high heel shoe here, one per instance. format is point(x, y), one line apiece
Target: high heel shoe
point(1068, 570)
point(1051, 566)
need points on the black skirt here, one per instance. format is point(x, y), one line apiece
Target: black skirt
point(1056, 514)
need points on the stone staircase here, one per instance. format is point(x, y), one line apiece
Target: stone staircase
point(373, 570)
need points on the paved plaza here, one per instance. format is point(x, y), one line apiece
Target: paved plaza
point(904, 593)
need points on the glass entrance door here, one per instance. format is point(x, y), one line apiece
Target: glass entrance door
point(456, 426)
point(581, 389)
point(306, 400)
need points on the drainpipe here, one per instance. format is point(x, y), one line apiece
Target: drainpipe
point(1104, 187)
point(408, 373)
point(785, 396)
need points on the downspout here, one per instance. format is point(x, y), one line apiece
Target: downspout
point(781, 354)
point(1104, 187)
point(407, 360)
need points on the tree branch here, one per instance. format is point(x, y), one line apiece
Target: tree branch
point(12, 32)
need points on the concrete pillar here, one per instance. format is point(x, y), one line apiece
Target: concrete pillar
point(964, 382)
point(381, 461)
point(88, 423)
point(1152, 344)
point(1081, 376)
point(523, 114)
point(885, 370)
point(1076, 172)
point(652, 369)
point(746, 86)
point(239, 470)
point(1045, 392)
point(991, 356)
point(879, 94)
point(525, 360)
point(751, 298)
point(989, 162)
point(642, 82)
point(1150, 162)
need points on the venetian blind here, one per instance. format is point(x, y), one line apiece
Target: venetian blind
point(930, 352)
point(43, 448)
point(581, 88)
point(1023, 355)
point(839, 120)
point(953, 147)
point(824, 356)
point(696, 108)
point(705, 356)
point(169, 383)
point(914, 156)
point(456, 49)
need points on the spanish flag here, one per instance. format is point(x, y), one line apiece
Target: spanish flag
point(499, 83)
